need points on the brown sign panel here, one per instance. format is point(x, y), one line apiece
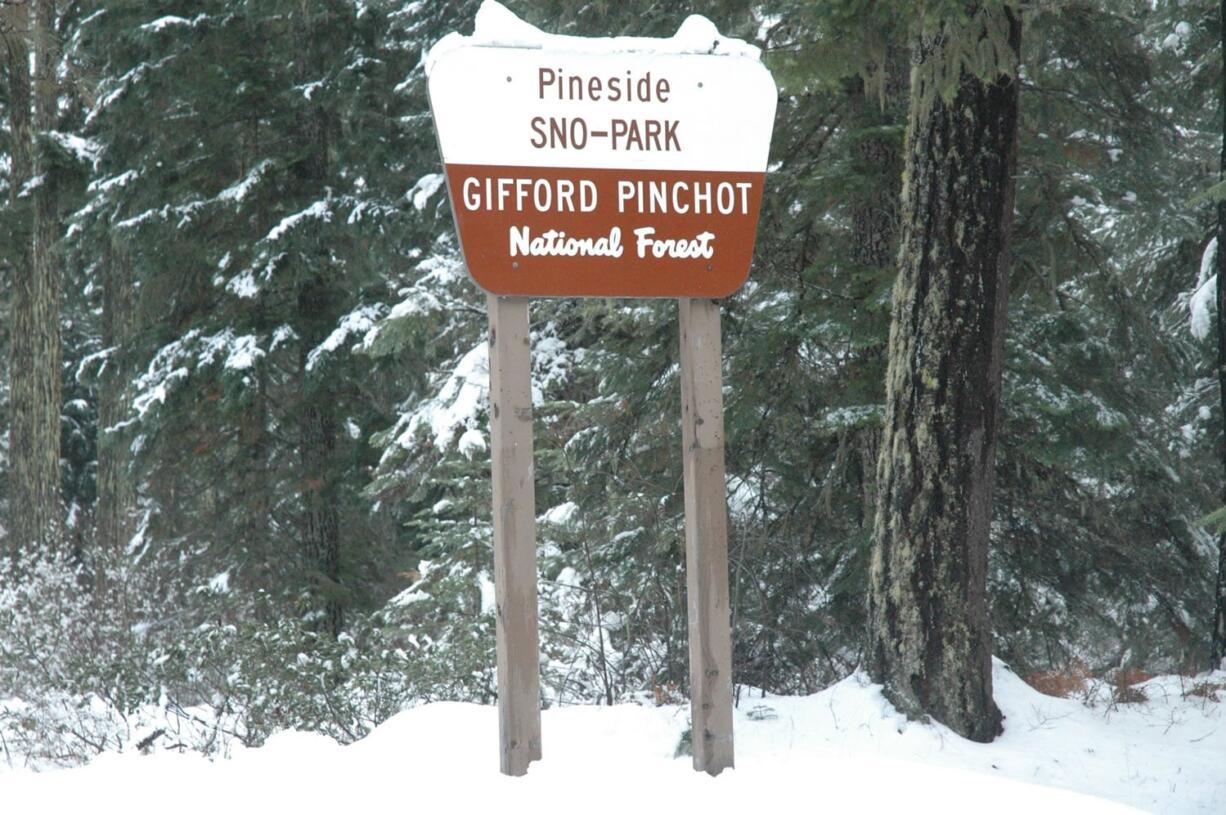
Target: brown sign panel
point(553, 232)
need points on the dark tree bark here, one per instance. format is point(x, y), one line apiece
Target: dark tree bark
point(34, 362)
point(317, 314)
point(1218, 645)
point(116, 491)
point(16, 22)
point(254, 473)
point(319, 431)
point(929, 635)
point(874, 214)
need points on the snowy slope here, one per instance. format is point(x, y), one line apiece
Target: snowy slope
point(841, 749)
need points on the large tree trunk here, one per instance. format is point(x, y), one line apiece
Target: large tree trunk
point(34, 363)
point(930, 638)
point(1218, 645)
point(116, 491)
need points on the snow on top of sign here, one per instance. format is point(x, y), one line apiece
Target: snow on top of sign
point(497, 26)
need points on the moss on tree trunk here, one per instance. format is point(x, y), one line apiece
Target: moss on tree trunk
point(930, 638)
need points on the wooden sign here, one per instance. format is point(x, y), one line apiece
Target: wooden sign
point(627, 174)
point(609, 168)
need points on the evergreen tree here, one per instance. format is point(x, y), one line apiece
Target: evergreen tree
point(258, 224)
point(1094, 537)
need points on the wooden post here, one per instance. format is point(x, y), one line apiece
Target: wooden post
point(706, 535)
point(519, 710)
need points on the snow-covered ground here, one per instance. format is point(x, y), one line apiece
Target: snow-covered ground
point(844, 748)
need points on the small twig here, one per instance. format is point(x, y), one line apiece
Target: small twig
point(147, 742)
